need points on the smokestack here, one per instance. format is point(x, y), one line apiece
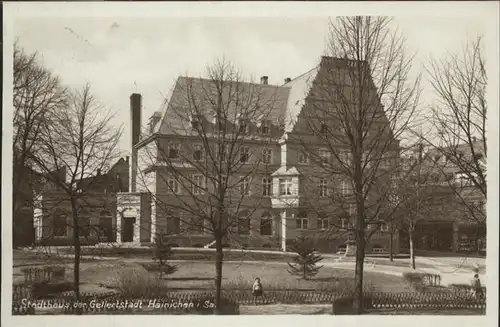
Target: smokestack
point(135, 122)
point(288, 80)
point(264, 79)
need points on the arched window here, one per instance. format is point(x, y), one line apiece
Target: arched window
point(266, 224)
point(59, 223)
point(106, 226)
point(243, 223)
point(84, 222)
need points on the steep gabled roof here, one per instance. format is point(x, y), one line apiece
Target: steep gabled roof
point(299, 89)
point(201, 94)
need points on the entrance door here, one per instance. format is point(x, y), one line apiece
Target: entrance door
point(128, 229)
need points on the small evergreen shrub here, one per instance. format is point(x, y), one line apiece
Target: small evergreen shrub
point(305, 262)
point(162, 252)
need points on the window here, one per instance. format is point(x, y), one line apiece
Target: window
point(285, 186)
point(198, 152)
point(84, 224)
point(173, 185)
point(303, 158)
point(323, 129)
point(323, 188)
point(245, 185)
point(173, 225)
point(59, 223)
point(302, 221)
point(352, 210)
point(173, 150)
point(222, 152)
point(243, 223)
point(243, 127)
point(267, 156)
point(345, 158)
point(324, 154)
point(198, 184)
point(353, 95)
point(344, 223)
point(384, 227)
point(106, 226)
point(195, 122)
point(345, 188)
point(265, 128)
point(266, 224)
point(323, 222)
point(221, 124)
point(244, 154)
point(267, 184)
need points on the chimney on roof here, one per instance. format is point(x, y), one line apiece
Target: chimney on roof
point(98, 171)
point(288, 80)
point(474, 139)
point(264, 80)
point(135, 115)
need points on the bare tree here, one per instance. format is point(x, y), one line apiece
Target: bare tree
point(80, 140)
point(420, 192)
point(36, 93)
point(361, 102)
point(210, 155)
point(459, 121)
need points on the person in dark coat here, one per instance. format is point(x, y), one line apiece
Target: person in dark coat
point(257, 290)
point(477, 290)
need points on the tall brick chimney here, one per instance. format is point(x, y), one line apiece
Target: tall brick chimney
point(264, 79)
point(135, 123)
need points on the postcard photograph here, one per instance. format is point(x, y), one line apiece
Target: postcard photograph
point(250, 164)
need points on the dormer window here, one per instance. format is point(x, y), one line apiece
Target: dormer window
point(220, 122)
point(195, 122)
point(243, 127)
point(265, 128)
point(198, 152)
point(323, 129)
point(173, 150)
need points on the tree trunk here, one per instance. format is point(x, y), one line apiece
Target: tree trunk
point(219, 256)
point(412, 250)
point(76, 241)
point(358, 273)
point(391, 254)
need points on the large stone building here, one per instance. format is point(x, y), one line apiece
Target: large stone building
point(280, 191)
point(278, 203)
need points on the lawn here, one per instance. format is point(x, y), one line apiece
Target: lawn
point(100, 276)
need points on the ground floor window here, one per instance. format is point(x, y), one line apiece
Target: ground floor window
point(59, 223)
point(266, 224)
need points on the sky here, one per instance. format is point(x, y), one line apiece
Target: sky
point(122, 55)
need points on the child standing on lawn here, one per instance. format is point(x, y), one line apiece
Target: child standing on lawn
point(257, 288)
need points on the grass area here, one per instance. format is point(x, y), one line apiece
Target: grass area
point(100, 276)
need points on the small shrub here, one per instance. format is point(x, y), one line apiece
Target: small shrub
point(305, 262)
point(420, 281)
point(161, 254)
point(136, 282)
